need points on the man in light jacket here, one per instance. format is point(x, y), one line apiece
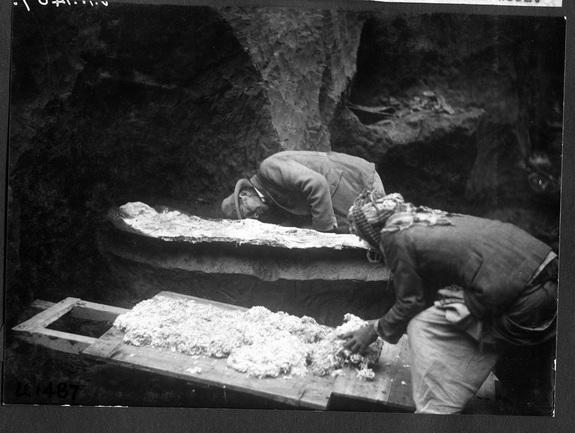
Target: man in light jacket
point(303, 188)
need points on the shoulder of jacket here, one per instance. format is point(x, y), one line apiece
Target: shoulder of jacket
point(272, 159)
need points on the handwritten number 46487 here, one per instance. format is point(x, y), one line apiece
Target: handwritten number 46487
point(59, 3)
point(61, 390)
point(71, 2)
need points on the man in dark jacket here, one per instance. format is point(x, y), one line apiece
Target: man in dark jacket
point(465, 288)
point(307, 188)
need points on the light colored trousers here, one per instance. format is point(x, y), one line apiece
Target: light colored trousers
point(447, 365)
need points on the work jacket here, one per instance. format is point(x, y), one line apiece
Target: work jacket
point(492, 261)
point(322, 185)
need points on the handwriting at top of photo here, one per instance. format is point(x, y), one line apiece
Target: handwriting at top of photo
point(58, 3)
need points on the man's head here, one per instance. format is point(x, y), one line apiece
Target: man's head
point(370, 212)
point(244, 202)
point(373, 213)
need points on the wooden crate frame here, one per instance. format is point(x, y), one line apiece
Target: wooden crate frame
point(310, 393)
point(35, 330)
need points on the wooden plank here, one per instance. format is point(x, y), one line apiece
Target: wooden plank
point(40, 304)
point(96, 312)
point(85, 310)
point(390, 387)
point(106, 345)
point(306, 391)
point(57, 340)
point(35, 330)
point(401, 394)
point(46, 317)
point(309, 391)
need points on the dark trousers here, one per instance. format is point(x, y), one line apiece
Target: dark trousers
point(527, 371)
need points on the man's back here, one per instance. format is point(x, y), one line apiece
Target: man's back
point(492, 260)
point(320, 184)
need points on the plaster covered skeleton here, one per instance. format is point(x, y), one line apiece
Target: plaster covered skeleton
point(256, 341)
point(174, 225)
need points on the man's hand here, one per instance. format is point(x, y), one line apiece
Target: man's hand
point(359, 340)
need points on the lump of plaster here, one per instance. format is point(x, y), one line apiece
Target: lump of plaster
point(256, 341)
point(271, 358)
point(366, 374)
point(135, 209)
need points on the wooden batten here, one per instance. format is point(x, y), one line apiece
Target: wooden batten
point(47, 317)
point(57, 340)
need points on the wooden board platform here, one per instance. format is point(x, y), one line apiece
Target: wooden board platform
point(390, 388)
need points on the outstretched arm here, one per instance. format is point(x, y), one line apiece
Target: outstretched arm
point(407, 283)
point(408, 288)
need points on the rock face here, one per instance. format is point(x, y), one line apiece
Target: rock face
point(157, 110)
point(306, 59)
point(169, 105)
point(463, 107)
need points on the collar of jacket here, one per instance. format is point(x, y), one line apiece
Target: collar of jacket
point(260, 194)
point(259, 187)
point(266, 192)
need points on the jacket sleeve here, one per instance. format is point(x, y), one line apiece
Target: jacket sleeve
point(291, 176)
point(408, 286)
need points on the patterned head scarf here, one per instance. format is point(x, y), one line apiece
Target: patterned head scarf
point(369, 213)
point(373, 213)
